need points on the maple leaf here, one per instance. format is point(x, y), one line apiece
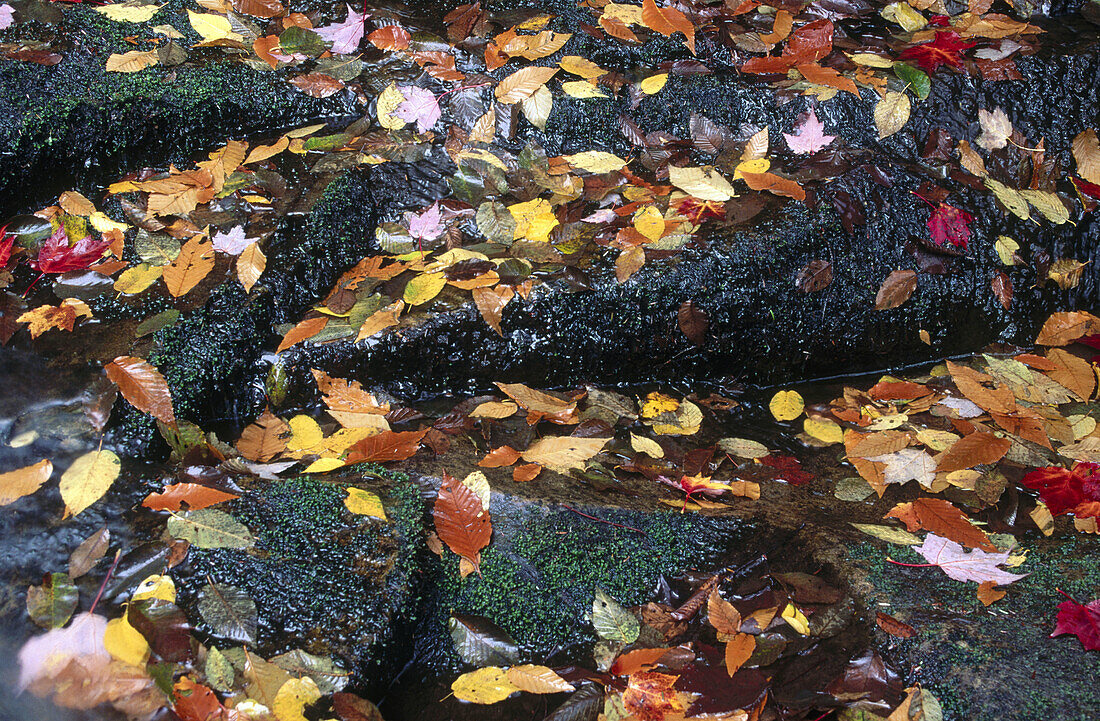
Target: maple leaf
point(808, 136)
point(944, 50)
point(6, 243)
point(700, 484)
point(6, 13)
point(419, 106)
point(948, 224)
point(1074, 491)
point(346, 36)
point(960, 565)
point(1080, 620)
point(56, 256)
point(425, 225)
point(232, 242)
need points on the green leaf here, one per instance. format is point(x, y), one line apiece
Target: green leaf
point(52, 604)
point(219, 672)
point(496, 222)
point(480, 642)
point(917, 79)
point(328, 676)
point(612, 621)
point(210, 528)
point(299, 40)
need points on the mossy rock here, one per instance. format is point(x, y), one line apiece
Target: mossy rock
point(997, 662)
point(323, 579)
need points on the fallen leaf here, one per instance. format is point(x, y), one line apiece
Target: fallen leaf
point(891, 113)
point(87, 479)
point(963, 565)
point(943, 519)
point(896, 289)
point(460, 520)
point(23, 481)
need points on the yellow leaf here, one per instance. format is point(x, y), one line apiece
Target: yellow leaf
point(212, 27)
point(626, 14)
point(756, 165)
point(537, 679)
point(292, 698)
point(155, 586)
point(596, 161)
point(647, 446)
point(250, 265)
point(483, 686)
point(523, 83)
point(305, 433)
point(125, 643)
point(649, 222)
point(125, 12)
point(628, 263)
point(870, 60)
point(380, 320)
point(891, 113)
point(87, 479)
point(195, 261)
point(23, 481)
point(786, 405)
point(45, 317)
point(536, 108)
point(703, 183)
point(387, 102)
point(136, 279)
point(1086, 151)
point(657, 403)
point(1010, 198)
point(653, 84)
point(132, 61)
point(168, 31)
point(582, 89)
point(424, 287)
point(1047, 203)
point(902, 14)
point(686, 422)
point(796, 619)
point(823, 430)
point(534, 220)
point(562, 453)
point(324, 465)
point(1006, 249)
point(479, 484)
point(364, 503)
point(580, 66)
point(103, 224)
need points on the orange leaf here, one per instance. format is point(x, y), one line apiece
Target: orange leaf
point(896, 289)
point(774, 184)
point(526, 472)
point(390, 37)
point(738, 651)
point(143, 386)
point(194, 495)
point(638, 660)
point(722, 615)
point(988, 593)
point(461, 521)
point(195, 261)
point(943, 519)
point(971, 450)
point(894, 627)
point(897, 390)
point(305, 329)
point(195, 702)
point(767, 65)
point(810, 43)
point(781, 28)
point(667, 21)
point(386, 446)
point(502, 456)
point(490, 303)
point(828, 76)
point(1064, 328)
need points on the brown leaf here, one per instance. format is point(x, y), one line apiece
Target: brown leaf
point(250, 265)
point(84, 558)
point(943, 519)
point(490, 303)
point(194, 495)
point(380, 320)
point(896, 289)
point(722, 615)
point(526, 472)
point(774, 184)
point(628, 263)
point(264, 439)
point(1064, 328)
point(304, 330)
point(1002, 288)
point(738, 650)
point(894, 627)
point(23, 481)
point(988, 593)
point(386, 446)
point(817, 275)
point(1074, 373)
point(258, 8)
point(502, 456)
point(693, 322)
point(461, 521)
point(971, 450)
point(539, 405)
point(143, 386)
point(1086, 151)
point(537, 679)
point(195, 261)
point(317, 85)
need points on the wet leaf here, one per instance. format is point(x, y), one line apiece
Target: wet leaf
point(88, 553)
point(975, 565)
point(195, 261)
point(1086, 151)
point(1083, 621)
point(484, 686)
point(611, 621)
point(142, 386)
point(563, 453)
point(896, 289)
point(943, 519)
point(264, 439)
point(786, 405)
point(229, 611)
point(293, 697)
point(364, 503)
point(51, 605)
point(693, 322)
point(210, 528)
point(250, 265)
point(23, 481)
point(460, 520)
point(703, 183)
point(537, 679)
point(891, 113)
point(386, 446)
point(523, 83)
point(87, 479)
point(894, 627)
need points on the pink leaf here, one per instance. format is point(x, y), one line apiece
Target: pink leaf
point(346, 36)
point(948, 224)
point(42, 657)
point(6, 12)
point(420, 106)
point(426, 225)
point(809, 137)
point(232, 242)
point(1080, 620)
point(977, 565)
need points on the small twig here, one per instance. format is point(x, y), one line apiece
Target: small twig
point(103, 586)
point(600, 520)
point(909, 565)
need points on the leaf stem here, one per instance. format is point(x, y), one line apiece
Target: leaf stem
point(909, 565)
point(1071, 598)
point(923, 198)
point(103, 586)
point(600, 520)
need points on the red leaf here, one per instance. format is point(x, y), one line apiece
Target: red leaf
point(195, 702)
point(56, 256)
point(948, 224)
point(460, 520)
point(1080, 620)
point(5, 247)
point(944, 50)
point(1002, 288)
point(1074, 491)
point(809, 43)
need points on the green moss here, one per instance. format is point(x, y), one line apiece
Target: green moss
point(539, 575)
